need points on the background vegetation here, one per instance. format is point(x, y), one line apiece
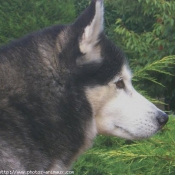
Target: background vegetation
point(19, 17)
point(144, 29)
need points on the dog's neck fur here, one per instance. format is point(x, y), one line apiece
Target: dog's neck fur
point(90, 134)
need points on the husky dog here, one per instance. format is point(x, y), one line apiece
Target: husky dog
point(62, 86)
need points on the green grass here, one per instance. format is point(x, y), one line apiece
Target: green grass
point(113, 156)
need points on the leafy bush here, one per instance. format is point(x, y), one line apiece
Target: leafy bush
point(145, 31)
point(21, 17)
point(111, 156)
point(144, 73)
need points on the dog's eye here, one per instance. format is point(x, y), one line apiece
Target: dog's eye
point(120, 84)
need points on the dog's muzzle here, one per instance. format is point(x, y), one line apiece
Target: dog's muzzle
point(162, 118)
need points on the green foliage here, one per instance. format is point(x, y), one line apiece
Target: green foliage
point(113, 156)
point(21, 17)
point(152, 40)
point(80, 6)
point(142, 74)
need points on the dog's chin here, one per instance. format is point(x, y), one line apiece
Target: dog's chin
point(125, 134)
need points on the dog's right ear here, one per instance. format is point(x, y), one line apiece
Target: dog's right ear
point(90, 24)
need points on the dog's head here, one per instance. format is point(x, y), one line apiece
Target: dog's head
point(103, 71)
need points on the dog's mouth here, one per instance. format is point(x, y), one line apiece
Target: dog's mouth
point(124, 133)
point(123, 129)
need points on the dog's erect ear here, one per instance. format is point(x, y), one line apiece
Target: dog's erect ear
point(91, 22)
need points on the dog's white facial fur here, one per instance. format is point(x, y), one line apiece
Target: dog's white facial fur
point(123, 112)
point(117, 111)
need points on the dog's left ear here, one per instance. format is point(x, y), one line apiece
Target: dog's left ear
point(91, 22)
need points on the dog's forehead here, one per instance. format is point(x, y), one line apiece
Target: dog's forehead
point(126, 72)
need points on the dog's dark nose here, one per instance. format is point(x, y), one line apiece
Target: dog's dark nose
point(162, 118)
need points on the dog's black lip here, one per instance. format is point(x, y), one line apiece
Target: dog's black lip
point(127, 131)
point(123, 129)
